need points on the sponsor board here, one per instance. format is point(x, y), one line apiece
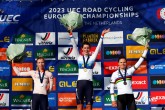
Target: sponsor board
point(115, 37)
point(47, 38)
point(4, 99)
point(21, 100)
point(67, 99)
point(64, 39)
point(4, 69)
point(3, 54)
point(134, 51)
point(157, 81)
point(139, 82)
point(4, 84)
point(52, 100)
point(66, 53)
point(92, 38)
point(156, 67)
point(23, 67)
point(67, 68)
point(22, 84)
point(24, 39)
point(47, 53)
point(141, 98)
point(110, 67)
point(157, 97)
point(112, 52)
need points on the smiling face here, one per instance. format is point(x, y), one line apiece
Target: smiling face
point(122, 63)
point(86, 49)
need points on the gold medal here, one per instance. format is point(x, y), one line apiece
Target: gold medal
point(85, 69)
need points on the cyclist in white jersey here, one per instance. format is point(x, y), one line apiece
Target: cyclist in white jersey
point(85, 76)
point(122, 78)
point(43, 83)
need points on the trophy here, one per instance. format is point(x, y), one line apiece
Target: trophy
point(141, 35)
point(72, 20)
point(16, 53)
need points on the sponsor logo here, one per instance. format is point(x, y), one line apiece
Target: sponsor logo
point(157, 81)
point(112, 52)
point(90, 37)
point(66, 53)
point(29, 54)
point(51, 68)
point(4, 69)
point(21, 100)
point(52, 99)
point(48, 54)
point(158, 36)
point(23, 67)
point(157, 97)
point(134, 51)
point(68, 69)
point(142, 69)
point(107, 81)
point(156, 67)
point(67, 84)
point(5, 39)
point(141, 98)
point(64, 39)
point(139, 82)
point(97, 84)
point(157, 108)
point(71, 84)
point(22, 84)
point(67, 99)
point(24, 39)
point(3, 54)
point(161, 13)
point(109, 69)
point(156, 51)
point(45, 38)
point(4, 85)
point(113, 38)
point(107, 99)
point(97, 68)
point(8, 18)
point(92, 50)
point(4, 99)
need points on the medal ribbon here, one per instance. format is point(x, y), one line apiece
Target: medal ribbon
point(123, 77)
point(41, 78)
point(85, 63)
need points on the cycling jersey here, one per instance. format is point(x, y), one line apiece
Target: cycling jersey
point(117, 79)
point(86, 75)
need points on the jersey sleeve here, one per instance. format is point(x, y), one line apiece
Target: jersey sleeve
point(98, 48)
point(139, 62)
point(112, 85)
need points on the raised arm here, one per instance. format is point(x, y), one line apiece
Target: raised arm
point(16, 70)
point(141, 59)
point(112, 92)
point(75, 48)
point(100, 42)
